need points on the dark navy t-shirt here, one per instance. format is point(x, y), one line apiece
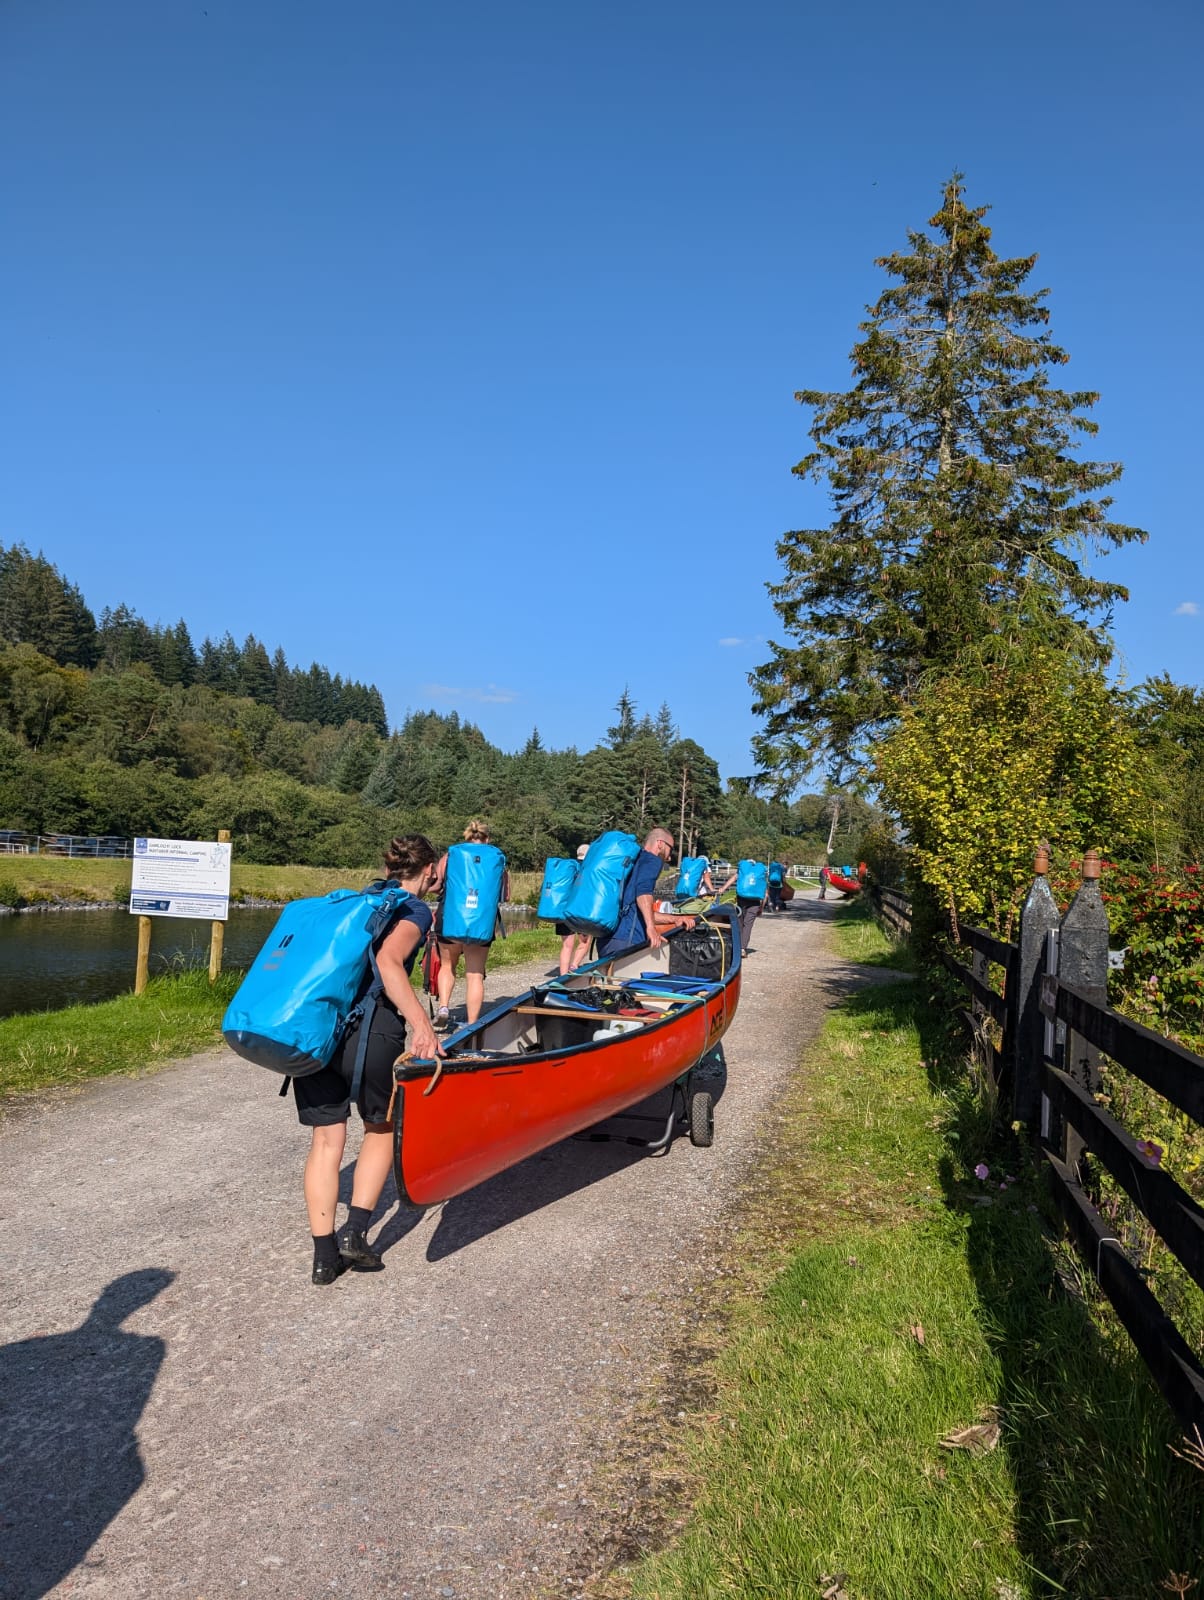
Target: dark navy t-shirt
point(630, 930)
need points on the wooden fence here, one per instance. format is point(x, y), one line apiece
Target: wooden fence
point(892, 908)
point(1039, 1011)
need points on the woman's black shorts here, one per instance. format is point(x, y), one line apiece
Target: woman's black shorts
point(324, 1098)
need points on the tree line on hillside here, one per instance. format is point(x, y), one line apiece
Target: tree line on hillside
point(115, 750)
point(946, 643)
point(40, 608)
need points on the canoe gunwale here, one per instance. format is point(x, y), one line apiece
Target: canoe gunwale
point(411, 1068)
point(425, 1068)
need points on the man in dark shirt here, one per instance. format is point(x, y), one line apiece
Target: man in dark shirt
point(638, 919)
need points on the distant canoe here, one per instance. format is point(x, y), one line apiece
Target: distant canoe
point(534, 1071)
point(839, 881)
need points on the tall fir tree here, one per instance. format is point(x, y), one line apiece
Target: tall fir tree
point(623, 730)
point(664, 727)
point(39, 607)
point(962, 514)
point(256, 679)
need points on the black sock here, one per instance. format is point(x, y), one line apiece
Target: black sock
point(326, 1250)
point(358, 1218)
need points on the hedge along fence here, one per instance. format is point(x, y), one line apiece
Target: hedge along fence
point(1042, 1032)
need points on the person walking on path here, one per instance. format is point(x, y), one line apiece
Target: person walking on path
point(639, 919)
point(777, 877)
point(474, 950)
point(574, 947)
point(752, 888)
point(324, 1097)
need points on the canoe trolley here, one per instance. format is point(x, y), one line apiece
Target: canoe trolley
point(692, 1110)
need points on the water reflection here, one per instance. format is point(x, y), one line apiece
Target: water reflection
point(62, 958)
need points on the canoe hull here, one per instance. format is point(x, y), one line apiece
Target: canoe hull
point(478, 1120)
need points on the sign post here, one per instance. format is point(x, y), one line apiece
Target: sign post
point(217, 933)
point(178, 878)
point(142, 970)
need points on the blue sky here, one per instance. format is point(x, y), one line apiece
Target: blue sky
point(455, 345)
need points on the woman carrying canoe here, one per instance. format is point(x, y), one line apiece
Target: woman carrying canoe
point(324, 1097)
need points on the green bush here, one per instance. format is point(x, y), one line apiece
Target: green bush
point(10, 895)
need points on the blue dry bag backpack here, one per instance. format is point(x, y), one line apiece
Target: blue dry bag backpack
point(300, 994)
point(777, 873)
point(472, 892)
point(751, 880)
point(689, 877)
point(597, 897)
point(559, 876)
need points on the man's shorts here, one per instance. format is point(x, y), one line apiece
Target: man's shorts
point(324, 1098)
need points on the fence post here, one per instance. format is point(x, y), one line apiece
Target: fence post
point(1037, 916)
point(1083, 964)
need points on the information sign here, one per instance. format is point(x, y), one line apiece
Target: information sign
point(181, 878)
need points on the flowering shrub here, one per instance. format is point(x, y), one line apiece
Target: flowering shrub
point(1158, 917)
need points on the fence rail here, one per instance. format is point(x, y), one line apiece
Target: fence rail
point(894, 908)
point(1052, 1010)
point(15, 842)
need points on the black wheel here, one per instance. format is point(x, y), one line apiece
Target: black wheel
point(702, 1119)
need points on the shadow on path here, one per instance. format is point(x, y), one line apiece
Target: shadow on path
point(564, 1168)
point(69, 1459)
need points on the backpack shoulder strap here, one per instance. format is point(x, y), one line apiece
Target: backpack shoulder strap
point(394, 902)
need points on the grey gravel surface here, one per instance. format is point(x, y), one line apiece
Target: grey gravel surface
point(183, 1413)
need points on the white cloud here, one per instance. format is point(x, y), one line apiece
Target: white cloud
point(754, 638)
point(1189, 608)
point(491, 695)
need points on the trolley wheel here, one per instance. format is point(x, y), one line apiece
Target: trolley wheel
point(702, 1119)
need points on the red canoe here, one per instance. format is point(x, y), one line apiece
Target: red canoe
point(531, 1072)
point(839, 881)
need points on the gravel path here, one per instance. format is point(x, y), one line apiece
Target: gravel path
point(182, 1413)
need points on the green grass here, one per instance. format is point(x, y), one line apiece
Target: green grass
point(41, 879)
point(179, 1013)
point(821, 1454)
point(523, 945)
point(860, 938)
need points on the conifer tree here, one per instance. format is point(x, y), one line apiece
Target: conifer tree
point(39, 607)
point(185, 653)
point(385, 785)
point(624, 729)
point(256, 679)
point(962, 514)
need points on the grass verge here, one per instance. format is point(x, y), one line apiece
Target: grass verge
point(906, 1299)
point(860, 938)
point(179, 1013)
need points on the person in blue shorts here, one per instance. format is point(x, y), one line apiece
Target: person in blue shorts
point(639, 921)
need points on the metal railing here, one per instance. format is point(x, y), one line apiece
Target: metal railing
point(15, 842)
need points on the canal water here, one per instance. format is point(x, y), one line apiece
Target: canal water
point(50, 959)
